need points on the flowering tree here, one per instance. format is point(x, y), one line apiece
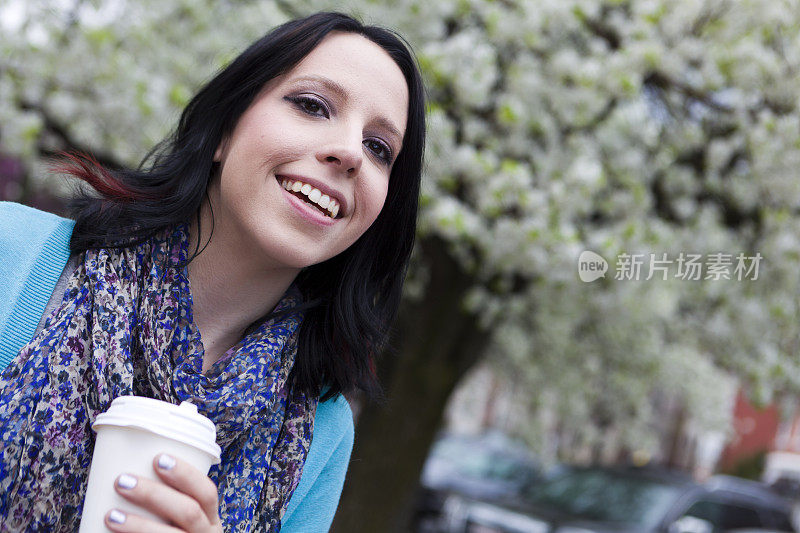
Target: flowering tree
point(623, 127)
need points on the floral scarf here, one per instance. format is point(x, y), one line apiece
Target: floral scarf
point(125, 327)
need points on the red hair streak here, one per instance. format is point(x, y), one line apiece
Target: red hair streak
point(87, 168)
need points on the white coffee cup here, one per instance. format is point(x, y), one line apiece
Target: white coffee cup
point(130, 435)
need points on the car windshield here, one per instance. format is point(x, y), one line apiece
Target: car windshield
point(474, 459)
point(606, 496)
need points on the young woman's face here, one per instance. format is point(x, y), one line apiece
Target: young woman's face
point(331, 127)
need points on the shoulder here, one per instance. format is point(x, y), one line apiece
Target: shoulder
point(314, 502)
point(29, 237)
point(333, 424)
point(26, 232)
point(333, 438)
point(12, 213)
point(336, 409)
point(34, 247)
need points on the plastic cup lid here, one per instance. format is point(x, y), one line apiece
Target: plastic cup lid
point(178, 422)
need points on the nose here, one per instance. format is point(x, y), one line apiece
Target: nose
point(345, 155)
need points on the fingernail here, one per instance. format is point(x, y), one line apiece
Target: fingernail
point(126, 482)
point(118, 517)
point(166, 461)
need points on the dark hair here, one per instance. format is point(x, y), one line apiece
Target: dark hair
point(352, 297)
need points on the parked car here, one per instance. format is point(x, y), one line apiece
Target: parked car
point(624, 500)
point(488, 467)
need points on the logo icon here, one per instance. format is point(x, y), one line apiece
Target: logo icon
point(591, 266)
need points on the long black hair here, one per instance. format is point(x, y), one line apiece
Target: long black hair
point(352, 297)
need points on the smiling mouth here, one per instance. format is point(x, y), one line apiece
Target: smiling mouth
point(312, 196)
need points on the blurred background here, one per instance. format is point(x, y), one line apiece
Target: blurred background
point(663, 136)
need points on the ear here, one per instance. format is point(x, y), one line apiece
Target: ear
point(219, 153)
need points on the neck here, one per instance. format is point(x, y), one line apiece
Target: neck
point(230, 288)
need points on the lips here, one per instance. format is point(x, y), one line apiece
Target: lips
point(310, 190)
point(322, 202)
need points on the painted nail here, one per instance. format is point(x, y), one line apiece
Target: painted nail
point(126, 482)
point(118, 517)
point(166, 461)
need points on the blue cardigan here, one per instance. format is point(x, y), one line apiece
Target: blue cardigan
point(34, 248)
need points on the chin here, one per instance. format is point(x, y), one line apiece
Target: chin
point(299, 260)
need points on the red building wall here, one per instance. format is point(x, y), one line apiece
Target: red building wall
point(755, 432)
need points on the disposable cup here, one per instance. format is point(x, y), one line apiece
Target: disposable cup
point(129, 436)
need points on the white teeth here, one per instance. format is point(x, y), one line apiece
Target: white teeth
point(315, 195)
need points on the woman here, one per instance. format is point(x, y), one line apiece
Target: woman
point(251, 267)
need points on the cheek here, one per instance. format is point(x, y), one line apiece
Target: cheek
point(373, 197)
point(273, 148)
point(266, 142)
point(248, 164)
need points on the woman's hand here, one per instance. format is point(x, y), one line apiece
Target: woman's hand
point(186, 500)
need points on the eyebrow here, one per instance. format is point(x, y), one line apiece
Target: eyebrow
point(342, 93)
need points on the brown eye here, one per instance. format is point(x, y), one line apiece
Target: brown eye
point(310, 106)
point(380, 149)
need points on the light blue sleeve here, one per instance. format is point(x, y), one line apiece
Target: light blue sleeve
point(316, 497)
point(34, 247)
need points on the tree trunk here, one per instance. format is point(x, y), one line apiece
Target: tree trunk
point(437, 343)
